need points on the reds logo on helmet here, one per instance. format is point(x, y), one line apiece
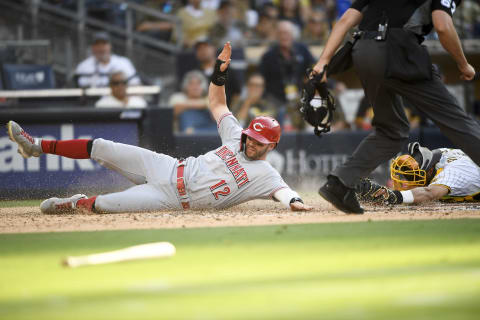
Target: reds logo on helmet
point(263, 129)
point(257, 126)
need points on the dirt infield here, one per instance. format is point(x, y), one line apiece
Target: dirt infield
point(30, 219)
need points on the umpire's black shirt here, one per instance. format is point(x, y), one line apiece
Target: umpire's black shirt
point(399, 12)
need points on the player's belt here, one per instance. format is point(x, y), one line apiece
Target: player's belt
point(369, 35)
point(181, 184)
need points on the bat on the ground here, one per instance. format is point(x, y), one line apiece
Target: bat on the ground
point(143, 251)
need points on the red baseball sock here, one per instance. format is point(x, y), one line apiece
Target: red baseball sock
point(75, 149)
point(87, 204)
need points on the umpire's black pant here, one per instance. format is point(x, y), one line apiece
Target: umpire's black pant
point(390, 122)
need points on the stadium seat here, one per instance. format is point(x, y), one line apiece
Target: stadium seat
point(27, 76)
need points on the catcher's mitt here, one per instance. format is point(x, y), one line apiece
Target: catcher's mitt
point(317, 110)
point(370, 191)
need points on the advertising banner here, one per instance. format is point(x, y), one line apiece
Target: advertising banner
point(51, 174)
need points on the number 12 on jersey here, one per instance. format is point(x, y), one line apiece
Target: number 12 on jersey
point(220, 189)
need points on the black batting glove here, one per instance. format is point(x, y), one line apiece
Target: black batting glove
point(219, 77)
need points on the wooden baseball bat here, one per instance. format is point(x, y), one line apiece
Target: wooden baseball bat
point(143, 251)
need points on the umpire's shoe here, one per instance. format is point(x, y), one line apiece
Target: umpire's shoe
point(27, 145)
point(342, 197)
point(61, 205)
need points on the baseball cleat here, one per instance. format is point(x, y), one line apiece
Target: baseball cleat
point(27, 145)
point(61, 205)
point(340, 196)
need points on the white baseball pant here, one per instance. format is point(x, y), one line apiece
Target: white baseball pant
point(153, 173)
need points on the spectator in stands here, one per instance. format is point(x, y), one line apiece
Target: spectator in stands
point(245, 14)
point(339, 119)
point(328, 6)
point(205, 55)
point(153, 26)
point(467, 19)
point(96, 69)
point(105, 11)
point(210, 4)
point(190, 107)
point(118, 97)
point(204, 59)
point(7, 54)
point(283, 67)
point(292, 11)
point(339, 122)
point(228, 27)
point(265, 32)
point(270, 9)
point(254, 104)
point(364, 115)
point(196, 22)
point(316, 30)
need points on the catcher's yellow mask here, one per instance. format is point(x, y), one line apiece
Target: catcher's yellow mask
point(406, 173)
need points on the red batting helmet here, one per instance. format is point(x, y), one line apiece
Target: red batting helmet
point(263, 129)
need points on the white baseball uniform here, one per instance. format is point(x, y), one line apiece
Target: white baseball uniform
point(219, 179)
point(94, 74)
point(457, 172)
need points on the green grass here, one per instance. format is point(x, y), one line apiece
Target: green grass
point(19, 203)
point(371, 270)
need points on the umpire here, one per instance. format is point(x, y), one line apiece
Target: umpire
point(392, 65)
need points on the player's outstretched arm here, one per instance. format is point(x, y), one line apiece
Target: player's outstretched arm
point(217, 101)
point(430, 193)
point(370, 191)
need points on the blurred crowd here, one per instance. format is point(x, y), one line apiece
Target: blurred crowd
point(285, 29)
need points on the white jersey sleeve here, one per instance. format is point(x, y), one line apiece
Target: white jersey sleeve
point(458, 173)
point(272, 183)
point(229, 129)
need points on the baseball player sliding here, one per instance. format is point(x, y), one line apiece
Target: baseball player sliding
point(425, 175)
point(234, 173)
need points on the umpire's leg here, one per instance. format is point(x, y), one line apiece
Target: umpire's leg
point(388, 138)
point(433, 98)
point(390, 122)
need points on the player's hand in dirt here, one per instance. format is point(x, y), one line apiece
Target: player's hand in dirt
point(225, 56)
point(298, 206)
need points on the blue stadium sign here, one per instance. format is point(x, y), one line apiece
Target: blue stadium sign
point(20, 177)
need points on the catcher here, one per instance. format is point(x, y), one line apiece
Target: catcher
point(425, 175)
